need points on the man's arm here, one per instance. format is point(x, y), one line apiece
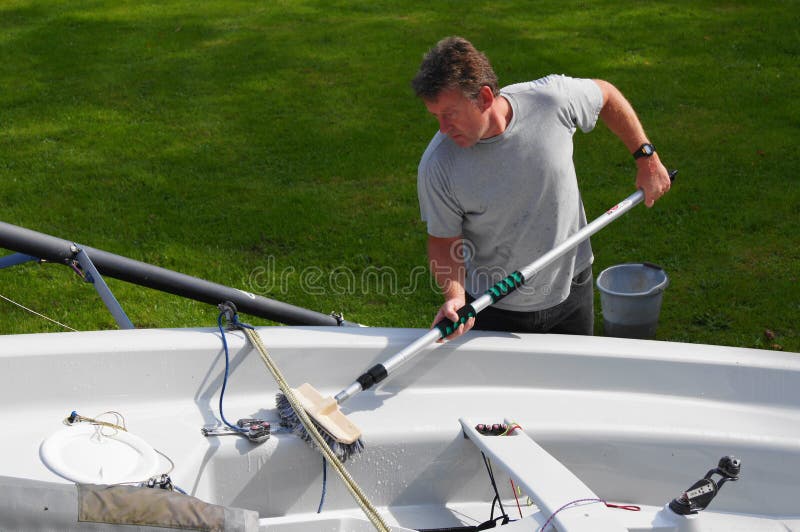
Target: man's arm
point(446, 260)
point(618, 114)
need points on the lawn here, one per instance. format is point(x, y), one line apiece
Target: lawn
point(273, 147)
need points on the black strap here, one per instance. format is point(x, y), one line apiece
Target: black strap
point(491, 523)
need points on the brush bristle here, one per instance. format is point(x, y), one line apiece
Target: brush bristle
point(290, 420)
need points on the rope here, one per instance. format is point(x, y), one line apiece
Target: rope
point(369, 510)
point(74, 417)
point(225, 377)
point(324, 484)
point(36, 313)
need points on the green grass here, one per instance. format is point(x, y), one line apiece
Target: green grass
point(273, 147)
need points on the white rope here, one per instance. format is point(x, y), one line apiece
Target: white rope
point(360, 497)
point(36, 313)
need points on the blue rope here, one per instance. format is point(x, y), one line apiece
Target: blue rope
point(238, 323)
point(225, 378)
point(324, 484)
point(235, 321)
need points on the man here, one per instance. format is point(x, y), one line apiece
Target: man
point(497, 186)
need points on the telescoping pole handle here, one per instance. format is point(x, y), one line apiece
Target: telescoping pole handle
point(510, 283)
point(445, 327)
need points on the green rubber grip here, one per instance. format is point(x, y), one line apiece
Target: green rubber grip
point(447, 327)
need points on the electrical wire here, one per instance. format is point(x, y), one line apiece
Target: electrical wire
point(564, 507)
point(629, 507)
point(514, 490)
point(488, 464)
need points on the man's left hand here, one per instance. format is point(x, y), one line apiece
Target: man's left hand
point(653, 178)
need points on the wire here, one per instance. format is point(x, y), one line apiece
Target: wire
point(324, 483)
point(571, 503)
point(36, 313)
point(74, 417)
point(119, 424)
point(171, 463)
point(628, 507)
point(225, 377)
point(514, 489)
point(488, 464)
point(75, 265)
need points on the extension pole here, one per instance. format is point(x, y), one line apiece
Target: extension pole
point(446, 327)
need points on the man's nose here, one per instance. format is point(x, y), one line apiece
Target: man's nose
point(444, 125)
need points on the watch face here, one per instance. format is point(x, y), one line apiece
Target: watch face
point(645, 150)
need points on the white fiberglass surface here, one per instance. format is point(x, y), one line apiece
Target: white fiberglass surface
point(96, 455)
point(636, 421)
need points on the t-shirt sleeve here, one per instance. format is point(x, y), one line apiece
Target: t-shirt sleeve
point(438, 206)
point(585, 102)
point(579, 100)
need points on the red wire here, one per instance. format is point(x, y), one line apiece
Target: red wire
point(629, 507)
point(514, 489)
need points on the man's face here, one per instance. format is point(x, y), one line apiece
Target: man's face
point(460, 118)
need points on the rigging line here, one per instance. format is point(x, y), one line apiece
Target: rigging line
point(36, 313)
point(355, 490)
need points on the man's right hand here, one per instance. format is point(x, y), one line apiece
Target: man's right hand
point(449, 310)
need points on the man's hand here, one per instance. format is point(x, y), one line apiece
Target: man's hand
point(446, 257)
point(653, 178)
point(449, 310)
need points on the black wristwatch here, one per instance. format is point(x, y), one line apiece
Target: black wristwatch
point(645, 150)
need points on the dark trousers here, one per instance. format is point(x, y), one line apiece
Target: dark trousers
point(574, 315)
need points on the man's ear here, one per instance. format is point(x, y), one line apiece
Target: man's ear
point(485, 98)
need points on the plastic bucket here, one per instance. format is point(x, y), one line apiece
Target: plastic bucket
point(630, 299)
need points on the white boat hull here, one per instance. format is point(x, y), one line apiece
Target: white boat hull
point(637, 421)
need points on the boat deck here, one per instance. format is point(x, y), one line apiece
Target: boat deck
point(636, 421)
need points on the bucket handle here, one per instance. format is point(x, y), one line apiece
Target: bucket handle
point(660, 286)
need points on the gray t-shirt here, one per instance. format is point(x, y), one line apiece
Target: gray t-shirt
point(515, 196)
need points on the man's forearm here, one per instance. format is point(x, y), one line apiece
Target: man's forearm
point(445, 257)
point(618, 114)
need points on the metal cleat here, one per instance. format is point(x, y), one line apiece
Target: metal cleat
point(255, 430)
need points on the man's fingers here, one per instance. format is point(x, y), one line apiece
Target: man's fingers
point(462, 328)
